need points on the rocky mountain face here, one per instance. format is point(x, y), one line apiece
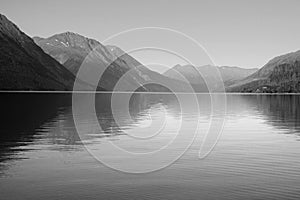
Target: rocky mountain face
point(200, 76)
point(25, 66)
point(71, 50)
point(281, 74)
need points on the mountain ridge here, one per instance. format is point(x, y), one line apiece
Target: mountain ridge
point(280, 74)
point(25, 66)
point(200, 76)
point(52, 64)
point(71, 49)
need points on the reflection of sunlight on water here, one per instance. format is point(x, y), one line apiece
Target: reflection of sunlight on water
point(153, 128)
point(150, 123)
point(144, 119)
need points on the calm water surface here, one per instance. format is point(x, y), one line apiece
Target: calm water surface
point(43, 157)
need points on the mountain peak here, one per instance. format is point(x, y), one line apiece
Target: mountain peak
point(68, 40)
point(69, 34)
point(25, 66)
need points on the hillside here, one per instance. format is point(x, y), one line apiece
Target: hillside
point(71, 49)
point(281, 74)
point(25, 66)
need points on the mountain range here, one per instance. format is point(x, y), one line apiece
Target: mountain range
point(216, 76)
point(52, 64)
point(25, 66)
point(71, 49)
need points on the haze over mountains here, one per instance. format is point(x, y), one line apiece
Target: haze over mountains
point(71, 49)
point(52, 64)
point(216, 77)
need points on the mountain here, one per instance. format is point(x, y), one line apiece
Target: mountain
point(25, 66)
point(281, 74)
point(71, 50)
point(198, 76)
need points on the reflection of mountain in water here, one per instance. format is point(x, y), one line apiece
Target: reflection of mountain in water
point(29, 119)
point(280, 111)
point(136, 105)
point(283, 112)
point(21, 117)
point(46, 119)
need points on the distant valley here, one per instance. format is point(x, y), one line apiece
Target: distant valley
point(201, 76)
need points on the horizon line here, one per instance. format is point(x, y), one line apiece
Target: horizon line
point(139, 92)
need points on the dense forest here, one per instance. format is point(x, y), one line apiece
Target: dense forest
point(284, 78)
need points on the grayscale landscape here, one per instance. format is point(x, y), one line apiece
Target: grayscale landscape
point(149, 100)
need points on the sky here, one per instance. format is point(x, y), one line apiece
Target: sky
point(244, 33)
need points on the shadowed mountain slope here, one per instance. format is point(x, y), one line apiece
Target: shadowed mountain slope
point(25, 66)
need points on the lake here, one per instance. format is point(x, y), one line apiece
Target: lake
point(149, 146)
